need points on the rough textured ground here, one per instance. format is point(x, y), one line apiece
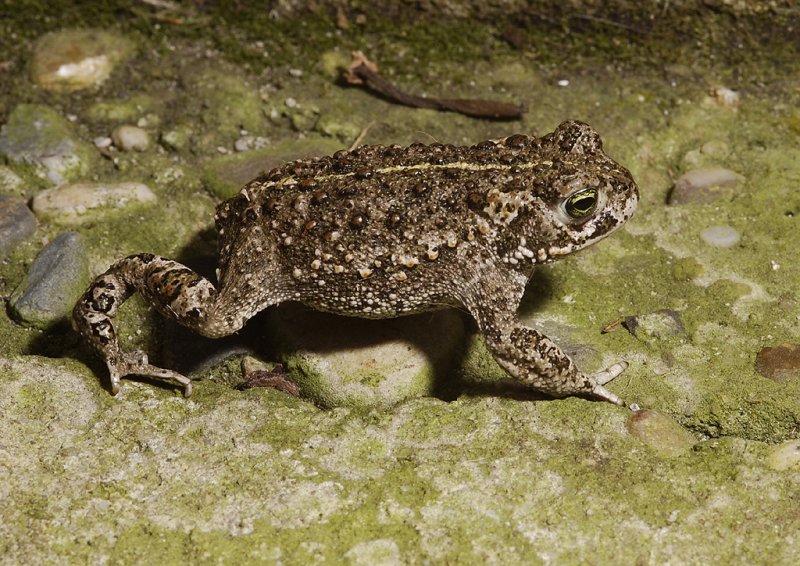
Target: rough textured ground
point(466, 469)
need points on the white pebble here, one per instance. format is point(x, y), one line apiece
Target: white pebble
point(102, 142)
point(129, 138)
point(720, 236)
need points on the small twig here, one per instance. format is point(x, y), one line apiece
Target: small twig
point(361, 136)
point(363, 71)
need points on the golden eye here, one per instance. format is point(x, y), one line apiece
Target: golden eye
point(581, 203)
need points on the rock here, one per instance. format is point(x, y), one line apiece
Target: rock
point(225, 175)
point(785, 456)
point(660, 432)
point(11, 183)
point(340, 361)
point(720, 236)
point(56, 279)
point(70, 202)
point(38, 135)
point(129, 138)
point(724, 97)
point(249, 143)
point(779, 363)
point(103, 142)
point(17, 223)
point(704, 185)
point(76, 59)
point(658, 325)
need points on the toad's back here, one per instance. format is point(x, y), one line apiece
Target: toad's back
point(389, 217)
point(382, 230)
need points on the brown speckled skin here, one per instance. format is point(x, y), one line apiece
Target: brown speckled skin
point(386, 231)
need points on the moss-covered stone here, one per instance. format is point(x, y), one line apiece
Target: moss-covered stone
point(346, 362)
point(38, 135)
point(123, 110)
point(70, 60)
point(54, 282)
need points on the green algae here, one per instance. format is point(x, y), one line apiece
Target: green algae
point(129, 110)
point(256, 475)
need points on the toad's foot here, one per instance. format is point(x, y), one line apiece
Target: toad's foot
point(602, 377)
point(136, 363)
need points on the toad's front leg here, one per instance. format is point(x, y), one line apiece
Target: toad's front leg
point(172, 289)
point(525, 353)
point(535, 360)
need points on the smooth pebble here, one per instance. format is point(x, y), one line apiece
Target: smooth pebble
point(720, 236)
point(130, 138)
point(704, 185)
point(70, 202)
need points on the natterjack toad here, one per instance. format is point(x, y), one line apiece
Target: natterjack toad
point(382, 232)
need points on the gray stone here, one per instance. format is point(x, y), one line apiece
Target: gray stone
point(38, 135)
point(56, 279)
point(71, 202)
point(720, 236)
point(17, 223)
point(340, 361)
point(704, 185)
point(75, 59)
point(130, 138)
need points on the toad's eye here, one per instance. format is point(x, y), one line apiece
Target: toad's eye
point(581, 203)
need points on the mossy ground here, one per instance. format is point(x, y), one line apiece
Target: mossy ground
point(490, 477)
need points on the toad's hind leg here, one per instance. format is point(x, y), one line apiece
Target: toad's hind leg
point(173, 290)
